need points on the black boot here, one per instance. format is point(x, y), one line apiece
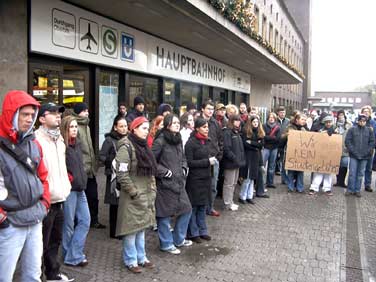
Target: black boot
point(341, 177)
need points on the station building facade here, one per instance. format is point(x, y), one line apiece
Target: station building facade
point(176, 52)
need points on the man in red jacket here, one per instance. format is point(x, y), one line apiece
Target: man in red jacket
point(24, 190)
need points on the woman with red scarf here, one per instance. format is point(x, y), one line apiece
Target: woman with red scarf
point(199, 180)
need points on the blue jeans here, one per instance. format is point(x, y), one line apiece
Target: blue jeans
point(270, 157)
point(260, 182)
point(356, 173)
point(26, 244)
point(344, 162)
point(246, 190)
point(284, 177)
point(168, 239)
point(368, 173)
point(296, 179)
point(134, 249)
point(76, 210)
point(197, 223)
point(214, 182)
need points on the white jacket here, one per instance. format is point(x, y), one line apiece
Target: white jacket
point(54, 160)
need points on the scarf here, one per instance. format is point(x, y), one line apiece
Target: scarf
point(146, 163)
point(201, 138)
point(72, 141)
point(220, 120)
point(171, 138)
point(53, 133)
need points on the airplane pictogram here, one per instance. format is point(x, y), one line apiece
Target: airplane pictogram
point(89, 37)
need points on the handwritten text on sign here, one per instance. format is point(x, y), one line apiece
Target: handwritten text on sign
point(311, 151)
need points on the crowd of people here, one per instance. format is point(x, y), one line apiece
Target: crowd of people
point(163, 174)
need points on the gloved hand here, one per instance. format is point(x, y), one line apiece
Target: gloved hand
point(4, 224)
point(212, 160)
point(168, 174)
point(185, 171)
point(135, 196)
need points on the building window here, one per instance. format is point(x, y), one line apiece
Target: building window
point(271, 34)
point(257, 19)
point(264, 27)
point(351, 100)
point(271, 9)
point(285, 49)
point(336, 99)
point(358, 100)
point(330, 100)
point(343, 100)
point(276, 17)
point(281, 44)
point(323, 100)
point(276, 40)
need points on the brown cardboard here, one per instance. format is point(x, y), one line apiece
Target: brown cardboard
point(314, 152)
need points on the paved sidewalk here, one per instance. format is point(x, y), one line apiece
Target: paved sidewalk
point(289, 237)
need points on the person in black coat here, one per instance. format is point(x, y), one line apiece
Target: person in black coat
point(76, 209)
point(271, 142)
point(253, 139)
point(233, 159)
point(106, 156)
point(197, 151)
point(172, 199)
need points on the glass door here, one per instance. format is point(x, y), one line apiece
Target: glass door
point(45, 82)
point(108, 95)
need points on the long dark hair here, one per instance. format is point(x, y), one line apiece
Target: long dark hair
point(116, 120)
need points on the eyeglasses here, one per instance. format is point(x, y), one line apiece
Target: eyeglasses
point(52, 113)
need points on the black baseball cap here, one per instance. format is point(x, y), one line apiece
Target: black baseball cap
point(50, 107)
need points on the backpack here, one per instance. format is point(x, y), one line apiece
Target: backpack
point(115, 189)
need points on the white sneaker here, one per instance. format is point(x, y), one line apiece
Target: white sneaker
point(232, 207)
point(173, 251)
point(186, 243)
point(61, 278)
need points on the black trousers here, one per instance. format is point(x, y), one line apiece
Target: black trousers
point(92, 198)
point(113, 219)
point(52, 234)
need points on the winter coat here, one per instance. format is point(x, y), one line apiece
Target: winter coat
point(27, 197)
point(233, 153)
point(342, 130)
point(185, 133)
point(133, 114)
point(90, 163)
point(316, 125)
point(272, 136)
point(54, 160)
point(198, 184)
point(216, 139)
point(106, 156)
point(283, 124)
point(360, 142)
point(252, 147)
point(137, 193)
point(75, 167)
point(172, 198)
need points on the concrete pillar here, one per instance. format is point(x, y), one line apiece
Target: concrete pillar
point(260, 93)
point(13, 46)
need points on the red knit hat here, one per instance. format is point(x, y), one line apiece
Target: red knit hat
point(137, 122)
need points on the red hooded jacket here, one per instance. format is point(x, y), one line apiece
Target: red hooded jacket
point(14, 100)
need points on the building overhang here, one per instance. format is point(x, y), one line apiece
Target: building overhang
point(196, 25)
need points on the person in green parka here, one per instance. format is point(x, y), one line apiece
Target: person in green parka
point(135, 170)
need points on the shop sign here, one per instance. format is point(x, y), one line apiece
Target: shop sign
point(105, 42)
point(63, 29)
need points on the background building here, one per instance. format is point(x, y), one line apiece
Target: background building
point(334, 101)
point(176, 52)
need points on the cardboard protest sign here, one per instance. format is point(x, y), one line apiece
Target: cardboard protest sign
point(312, 151)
